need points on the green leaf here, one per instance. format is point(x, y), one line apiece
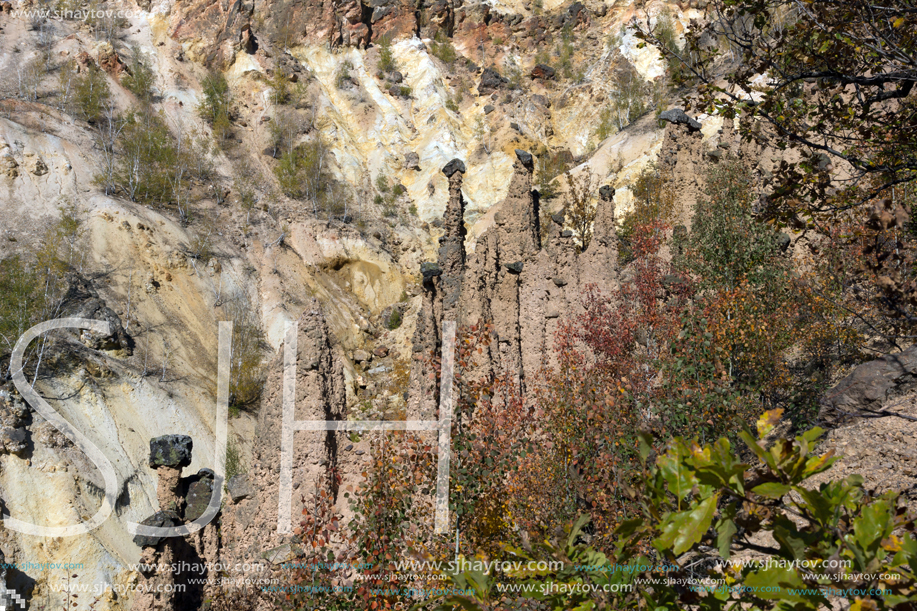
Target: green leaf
point(772, 490)
point(682, 530)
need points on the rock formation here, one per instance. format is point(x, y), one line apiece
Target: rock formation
point(250, 522)
point(511, 280)
point(174, 569)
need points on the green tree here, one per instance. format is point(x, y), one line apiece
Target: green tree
point(215, 104)
point(727, 244)
point(92, 93)
point(140, 78)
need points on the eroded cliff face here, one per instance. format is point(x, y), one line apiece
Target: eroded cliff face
point(477, 223)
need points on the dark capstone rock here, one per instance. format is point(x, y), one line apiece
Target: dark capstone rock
point(560, 281)
point(170, 451)
point(489, 108)
point(543, 71)
point(678, 117)
point(239, 488)
point(490, 81)
point(715, 154)
point(783, 241)
point(198, 498)
point(558, 218)
point(430, 270)
point(566, 233)
point(526, 159)
point(607, 192)
point(514, 268)
point(206, 473)
point(397, 77)
point(160, 519)
point(456, 165)
point(516, 127)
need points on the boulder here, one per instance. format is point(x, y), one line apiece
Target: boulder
point(490, 81)
point(381, 352)
point(430, 271)
point(160, 519)
point(411, 161)
point(514, 268)
point(13, 441)
point(543, 71)
point(869, 386)
point(362, 356)
point(678, 117)
point(198, 497)
point(170, 451)
point(239, 488)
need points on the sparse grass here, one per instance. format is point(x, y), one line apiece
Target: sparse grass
point(233, 457)
point(246, 372)
point(394, 320)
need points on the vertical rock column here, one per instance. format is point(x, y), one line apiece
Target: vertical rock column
point(442, 284)
point(168, 455)
point(452, 244)
point(518, 241)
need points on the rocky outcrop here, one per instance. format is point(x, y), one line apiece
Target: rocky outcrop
point(513, 281)
point(250, 522)
point(868, 387)
point(83, 301)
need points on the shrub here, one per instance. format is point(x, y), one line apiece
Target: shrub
point(405, 91)
point(605, 127)
point(281, 88)
point(233, 460)
point(442, 48)
point(629, 102)
point(702, 500)
point(394, 320)
point(343, 78)
point(29, 75)
point(21, 299)
point(386, 56)
point(246, 371)
point(303, 173)
point(578, 207)
point(148, 158)
point(215, 104)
